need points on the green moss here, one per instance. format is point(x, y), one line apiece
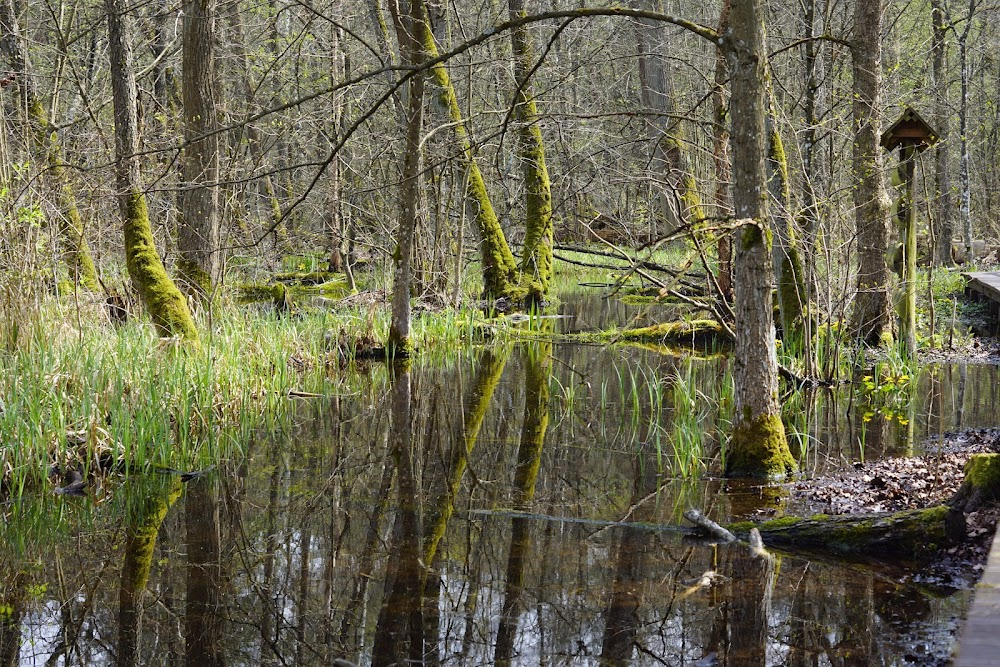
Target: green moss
point(982, 471)
point(691, 199)
point(143, 534)
point(280, 297)
point(487, 378)
point(695, 331)
point(758, 448)
point(751, 236)
point(250, 292)
point(398, 345)
point(791, 292)
point(165, 303)
point(196, 281)
point(79, 260)
point(536, 262)
point(781, 162)
point(306, 277)
point(783, 522)
point(910, 533)
point(500, 272)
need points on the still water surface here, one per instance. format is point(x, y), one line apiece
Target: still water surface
point(508, 505)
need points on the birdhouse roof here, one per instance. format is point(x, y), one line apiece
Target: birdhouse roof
point(909, 129)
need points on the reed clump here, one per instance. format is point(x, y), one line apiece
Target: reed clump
point(82, 394)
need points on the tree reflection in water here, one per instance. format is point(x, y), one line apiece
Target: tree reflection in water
point(447, 516)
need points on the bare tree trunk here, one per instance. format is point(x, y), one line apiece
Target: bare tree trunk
point(536, 259)
point(198, 234)
point(399, 634)
point(720, 156)
point(500, 272)
point(810, 207)
point(871, 308)
point(250, 130)
point(758, 447)
point(680, 201)
point(965, 186)
point(412, 53)
point(203, 618)
point(942, 174)
point(162, 299)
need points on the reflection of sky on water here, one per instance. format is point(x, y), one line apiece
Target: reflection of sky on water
point(309, 537)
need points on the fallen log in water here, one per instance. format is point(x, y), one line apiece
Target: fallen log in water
point(911, 534)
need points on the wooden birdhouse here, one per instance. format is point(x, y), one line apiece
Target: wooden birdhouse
point(909, 130)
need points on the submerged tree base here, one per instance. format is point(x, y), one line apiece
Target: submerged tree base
point(759, 448)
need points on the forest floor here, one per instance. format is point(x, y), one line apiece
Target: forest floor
point(898, 483)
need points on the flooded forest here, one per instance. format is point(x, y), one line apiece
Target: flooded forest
point(560, 333)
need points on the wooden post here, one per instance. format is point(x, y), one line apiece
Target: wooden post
point(906, 220)
point(911, 134)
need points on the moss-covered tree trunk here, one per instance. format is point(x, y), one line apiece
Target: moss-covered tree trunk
point(871, 306)
point(198, 231)
point(536, 258)
point(758, 446)
point(785, 248)
point(167, 307)
point(500, 272)
point(79, 261)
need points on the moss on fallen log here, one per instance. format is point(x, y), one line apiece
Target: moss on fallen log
point(695, 332)
point(306, 278)
point(285, 293)
point(915, 534)
point(910, 534)
point(981, 484)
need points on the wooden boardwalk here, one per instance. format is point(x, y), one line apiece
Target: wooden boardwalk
point(980, 644)
point(984, 286)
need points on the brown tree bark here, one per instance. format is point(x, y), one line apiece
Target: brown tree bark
point(758, 446)
point(198, 232)
point(167, 307)
point(720, 156)
point(944, 216)
point(871, 203)
point(670, 168)
point(203, 613)
point(412, 52)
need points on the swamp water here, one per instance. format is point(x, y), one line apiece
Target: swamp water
point(521, 513)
